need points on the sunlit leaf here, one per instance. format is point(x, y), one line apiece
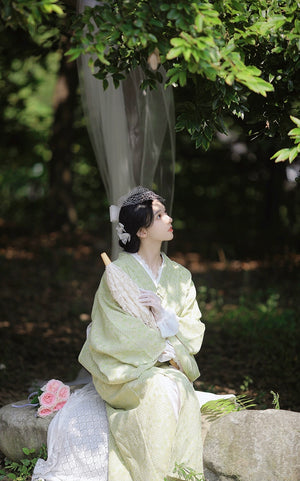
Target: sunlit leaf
point(293, 154)
point(295, 120)
point(174, 52)
point(281, 155)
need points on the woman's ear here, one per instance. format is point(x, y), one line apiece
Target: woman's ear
point(142, 233)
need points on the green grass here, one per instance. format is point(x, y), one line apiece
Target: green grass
point(260, 334)
point(22, 470)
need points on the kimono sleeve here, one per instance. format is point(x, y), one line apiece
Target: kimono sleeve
point(191, 329)
point(119, 347)
point(188, 340)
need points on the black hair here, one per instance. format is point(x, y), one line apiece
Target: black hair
point(133, 217)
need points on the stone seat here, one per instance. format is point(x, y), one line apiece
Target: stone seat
point(247, 445)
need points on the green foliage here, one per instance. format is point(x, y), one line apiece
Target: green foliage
point(28, 14)
point(208, 182)
point(290, 153)
point(255, 318)
point(186, 473)
point(216, 409)
point(22, 470)
point(275, 401)
point(246, 383)
point(28, 74)
point(27, 81)
point(260, 333)
point(219, 51)
point(35, 398)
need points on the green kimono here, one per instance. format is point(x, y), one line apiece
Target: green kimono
point(121, 353)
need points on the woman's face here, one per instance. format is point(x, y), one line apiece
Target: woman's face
point(161, 228)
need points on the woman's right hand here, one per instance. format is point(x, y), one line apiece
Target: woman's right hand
point(166, 320)
point(151, 300)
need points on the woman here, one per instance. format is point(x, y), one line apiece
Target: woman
point(152, 408)
point(147, 417)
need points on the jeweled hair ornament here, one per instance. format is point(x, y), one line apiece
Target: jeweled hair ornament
point(138, 195)
point(122, 234)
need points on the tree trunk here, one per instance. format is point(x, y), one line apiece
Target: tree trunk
point(63, 212)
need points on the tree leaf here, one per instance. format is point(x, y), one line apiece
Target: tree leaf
point(293, 154)
point(174, 53)
point(281, 155)
point(295, 120)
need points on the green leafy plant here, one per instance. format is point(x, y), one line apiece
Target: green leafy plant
point(246, 383)
point(216, 409)
point(260, 331)
point(290, 153)
point(275, 401)
point(220, 51)
point(186, 473)
point(22, 470)
point(29, 14)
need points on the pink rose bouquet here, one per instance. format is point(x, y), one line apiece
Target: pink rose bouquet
point(52, 386)
point(47, 399)
point(51, 397)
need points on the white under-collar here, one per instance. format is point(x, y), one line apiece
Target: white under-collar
point(147, 268)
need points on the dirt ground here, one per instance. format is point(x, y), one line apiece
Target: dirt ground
point(47, 288)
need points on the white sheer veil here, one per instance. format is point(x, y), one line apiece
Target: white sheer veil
point(131, 131)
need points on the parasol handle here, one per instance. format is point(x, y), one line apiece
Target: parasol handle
point(174, 364)
point(105, 258)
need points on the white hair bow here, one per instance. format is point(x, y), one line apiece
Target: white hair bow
point(114, 211)
point(122, 234)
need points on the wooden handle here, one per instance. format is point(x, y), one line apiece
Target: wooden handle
point(174, 364)
point(105, 258)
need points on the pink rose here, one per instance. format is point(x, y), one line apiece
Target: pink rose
point(52, 386)
point(59, 405)
point(43, 412)
point(63, 393)
point(47, 399)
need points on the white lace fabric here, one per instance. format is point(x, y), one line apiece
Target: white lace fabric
point(168, 324)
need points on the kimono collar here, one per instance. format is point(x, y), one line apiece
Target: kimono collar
point(147, 268)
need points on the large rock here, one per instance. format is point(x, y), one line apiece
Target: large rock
point(241, 446)
point(20, 428)
point(253, 446)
